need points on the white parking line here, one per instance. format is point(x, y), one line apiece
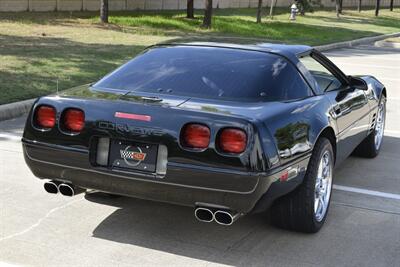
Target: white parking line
point(338, 61)
point(366, 192)
point(5, 264)
point(383, 57)
point(11, 137)
point(392, 132)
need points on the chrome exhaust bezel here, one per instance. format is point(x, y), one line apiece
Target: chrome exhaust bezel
point(52, 183)
point(203, 209)
point(233, 217)
point(70, 187)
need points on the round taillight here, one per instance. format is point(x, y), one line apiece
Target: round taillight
point(232, 140)
point(196, 136)
point(45, 117)
point(74, 120)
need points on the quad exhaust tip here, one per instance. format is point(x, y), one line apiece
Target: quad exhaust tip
point(204, 214)
point(51, 187)
point(66, 190)
point(222, 217)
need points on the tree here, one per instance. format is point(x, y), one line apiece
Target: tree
point(337, 5)
point(259, 11)
point(207, 14)
point(271, 10)
point(377, 7)
point(359, 6)
point(304, 5)
point(190, 9)
point(104, 11)
point(340, 6)
point(391, 5)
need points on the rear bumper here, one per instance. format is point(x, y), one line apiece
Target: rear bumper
point(183, 184)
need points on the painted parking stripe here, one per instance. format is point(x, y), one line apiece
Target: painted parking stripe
point(383, 58)
point(340, 62)
point(366, 192)
point(390, 132)
point(5, 264)
point(10, 137)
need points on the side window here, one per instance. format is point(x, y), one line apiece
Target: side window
point(289, 84)
point(325, 79)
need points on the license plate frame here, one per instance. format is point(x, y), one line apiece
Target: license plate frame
point(133, 156)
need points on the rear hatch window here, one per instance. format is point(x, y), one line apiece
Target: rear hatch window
point(207, 72)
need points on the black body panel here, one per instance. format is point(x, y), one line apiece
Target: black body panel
point(280, 137)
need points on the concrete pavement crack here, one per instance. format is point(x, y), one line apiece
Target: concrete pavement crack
point(365, 208)
point(35, 225)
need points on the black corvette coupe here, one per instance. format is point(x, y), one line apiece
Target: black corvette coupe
point(228, 129)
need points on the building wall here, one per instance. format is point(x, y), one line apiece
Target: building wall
point(94, 5)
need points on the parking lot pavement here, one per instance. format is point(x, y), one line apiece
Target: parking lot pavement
point(362, 229)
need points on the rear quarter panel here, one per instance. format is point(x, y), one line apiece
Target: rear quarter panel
point(296, 126)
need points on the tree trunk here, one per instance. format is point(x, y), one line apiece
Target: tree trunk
point(190, 9)
point(104, 11)
point(271, 10)
point(337, 4)
point(340, 6)
point(259, 11)
point(207, 14)
point(377, 7)
point(391, 5)
point(359, 6)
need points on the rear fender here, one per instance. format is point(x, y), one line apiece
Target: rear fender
point(297, 126)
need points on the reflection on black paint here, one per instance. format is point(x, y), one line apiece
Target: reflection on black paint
point(293, 139)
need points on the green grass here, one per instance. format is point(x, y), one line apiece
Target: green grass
point(316, 28)
point(39, 50)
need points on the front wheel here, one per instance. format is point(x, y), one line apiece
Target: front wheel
point(305, 209)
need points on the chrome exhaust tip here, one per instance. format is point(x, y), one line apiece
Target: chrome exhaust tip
point(66, 190)
point(51, 187)
point(69, 190)
point(223, 217)
point(203, 215)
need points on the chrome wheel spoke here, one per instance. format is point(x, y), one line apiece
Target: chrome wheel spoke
point(380, 125)
point(323, 186)
point(321, 204)
point(316, 205)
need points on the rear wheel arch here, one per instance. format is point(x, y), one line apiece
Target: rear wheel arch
point(329, 133)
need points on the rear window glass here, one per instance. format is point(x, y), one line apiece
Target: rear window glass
point(208, 72)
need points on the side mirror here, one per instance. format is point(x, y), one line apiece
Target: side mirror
point(357, 83)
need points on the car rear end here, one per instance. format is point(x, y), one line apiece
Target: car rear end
point(146, 151)
point(130, 134)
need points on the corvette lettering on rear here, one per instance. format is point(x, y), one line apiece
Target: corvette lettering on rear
point(125, 128)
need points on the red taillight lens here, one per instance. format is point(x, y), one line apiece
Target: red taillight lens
point(45, 117)
point(195, 136)
point(74, 120)
point(232, 140)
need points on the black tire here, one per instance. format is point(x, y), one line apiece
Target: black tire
point(295, 211)
point(367, 148)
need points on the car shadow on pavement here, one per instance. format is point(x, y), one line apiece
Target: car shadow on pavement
point(174, 229)
point(250, 240)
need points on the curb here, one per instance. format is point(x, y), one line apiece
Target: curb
point(347, 44)
point(16, 109)
point(387, 44)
